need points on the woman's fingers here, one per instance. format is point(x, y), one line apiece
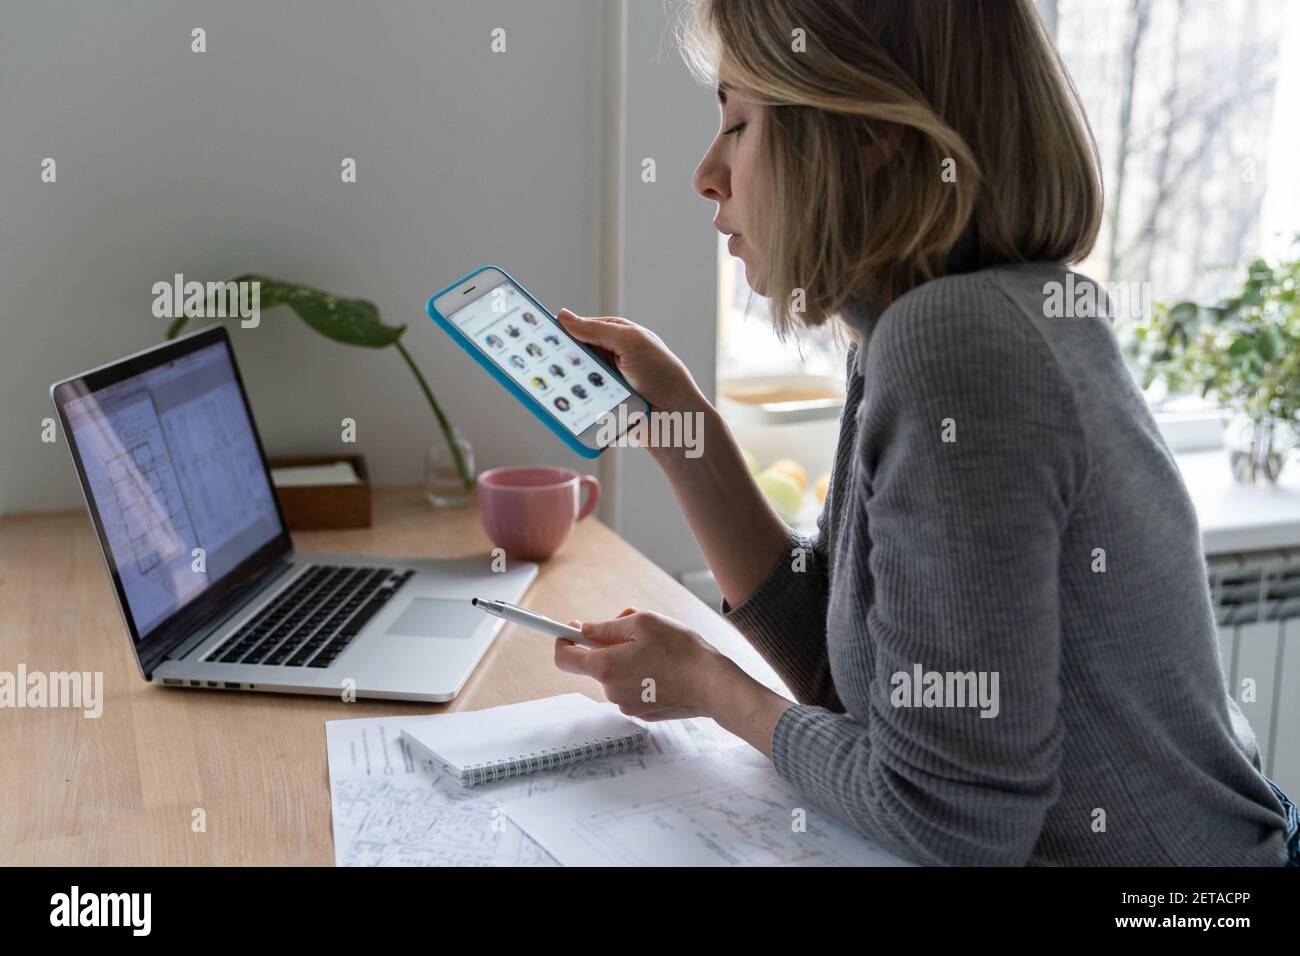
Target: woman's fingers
point(591, 662)
point(642, 651)
point(571, 658)
point(617, 337)
point(614, 631)
point(640, 356)
point(611, 319)
point(581, 329)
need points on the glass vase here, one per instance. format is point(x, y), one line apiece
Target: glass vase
point(445, 470)
point(1258, 448)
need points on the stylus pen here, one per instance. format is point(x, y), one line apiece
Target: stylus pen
point(532, 620)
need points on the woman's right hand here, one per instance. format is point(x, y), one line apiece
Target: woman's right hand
point(640, 357)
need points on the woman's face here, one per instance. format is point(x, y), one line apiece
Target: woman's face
point(728, 175)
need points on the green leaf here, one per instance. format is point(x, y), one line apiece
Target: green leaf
point(1269, 345)
point(350, 321)
point(1242, 345)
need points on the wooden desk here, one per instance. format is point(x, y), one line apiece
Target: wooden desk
point(121, 789)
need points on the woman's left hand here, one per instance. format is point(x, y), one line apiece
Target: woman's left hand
point(651, 666)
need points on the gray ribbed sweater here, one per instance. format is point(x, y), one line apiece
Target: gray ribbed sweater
point(1114, 740)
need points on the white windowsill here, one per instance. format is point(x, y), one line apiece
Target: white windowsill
point(1236, 517)
point(1190, 431)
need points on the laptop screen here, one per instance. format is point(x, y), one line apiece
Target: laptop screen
point(174, 475)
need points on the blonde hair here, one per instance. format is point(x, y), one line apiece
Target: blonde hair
point(940, 89)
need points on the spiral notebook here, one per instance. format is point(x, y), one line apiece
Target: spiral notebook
point(480, 746)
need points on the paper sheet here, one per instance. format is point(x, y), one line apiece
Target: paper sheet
point(339, 473)
point(722, 809)
point(392, 808)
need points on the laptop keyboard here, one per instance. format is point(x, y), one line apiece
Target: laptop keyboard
point(314, 620)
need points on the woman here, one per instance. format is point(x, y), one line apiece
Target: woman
point(1003, 514)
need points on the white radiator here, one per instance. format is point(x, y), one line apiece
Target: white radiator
point(1257, 604)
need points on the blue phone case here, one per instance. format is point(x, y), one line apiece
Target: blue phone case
point(530, 403)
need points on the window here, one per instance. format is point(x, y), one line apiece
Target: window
point(747, 343)
point(1193, 106)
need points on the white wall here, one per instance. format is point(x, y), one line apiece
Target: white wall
point(228, 161)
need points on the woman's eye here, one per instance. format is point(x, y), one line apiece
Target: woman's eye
point(734, 129)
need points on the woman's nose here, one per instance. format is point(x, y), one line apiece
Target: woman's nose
point(711, 179)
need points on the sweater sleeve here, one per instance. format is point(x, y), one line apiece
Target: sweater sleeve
point(785, 617)
point(970, 456)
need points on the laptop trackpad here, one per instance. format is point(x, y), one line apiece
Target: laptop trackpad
point(437, 617)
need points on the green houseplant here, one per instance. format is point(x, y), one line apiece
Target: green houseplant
point(353, 322)
point(1244, 352)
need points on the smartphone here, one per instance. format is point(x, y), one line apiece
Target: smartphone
point(524, 347)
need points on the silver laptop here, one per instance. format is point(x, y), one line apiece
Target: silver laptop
point(209, 586)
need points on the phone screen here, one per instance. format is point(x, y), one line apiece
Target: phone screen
point(530, 347)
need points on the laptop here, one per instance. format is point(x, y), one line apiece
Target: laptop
point(209, 586)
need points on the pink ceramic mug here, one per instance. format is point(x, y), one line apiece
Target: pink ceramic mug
point(528, 510)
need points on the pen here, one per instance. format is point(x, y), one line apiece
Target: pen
point(532, 620)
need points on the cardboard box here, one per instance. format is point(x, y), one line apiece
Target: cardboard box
point(318, 507)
